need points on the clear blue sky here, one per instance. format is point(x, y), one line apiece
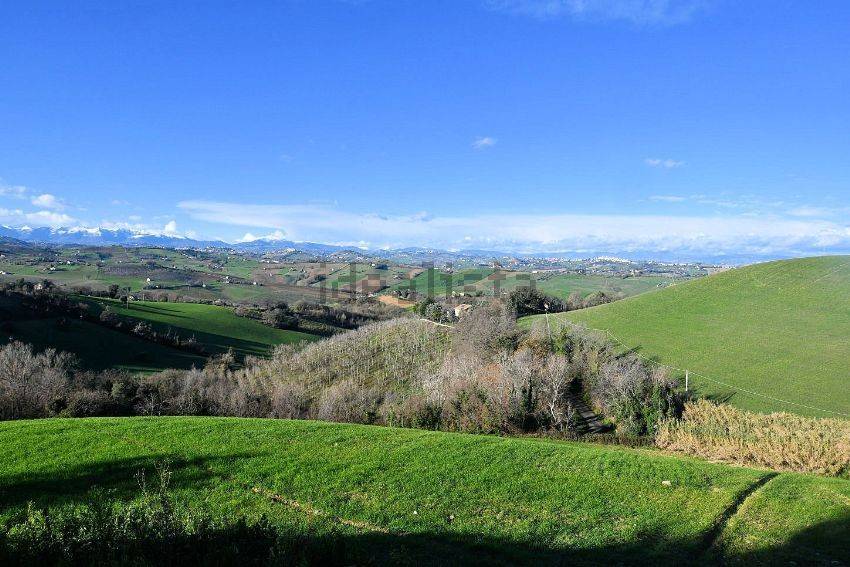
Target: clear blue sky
point(604, 125)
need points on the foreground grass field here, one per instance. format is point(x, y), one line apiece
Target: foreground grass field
point(779, 329)
point(412, 497)
point(217, 328)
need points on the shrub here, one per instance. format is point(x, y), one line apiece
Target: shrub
point(637, 396)
point(779, 441)
point(531, 301)
point(486, 331)
point(31, 383)
point(350, 402)
point(92, 403)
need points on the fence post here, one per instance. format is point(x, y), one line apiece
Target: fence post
point(687, 379)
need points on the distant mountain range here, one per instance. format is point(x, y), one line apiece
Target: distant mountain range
point(125, 237)
point(99, 236)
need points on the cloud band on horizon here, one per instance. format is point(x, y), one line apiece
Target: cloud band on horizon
point(696, 235)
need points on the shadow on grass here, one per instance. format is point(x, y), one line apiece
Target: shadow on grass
point(118, 476)
point(236, 542)
point(826, 543)
point(718, 397)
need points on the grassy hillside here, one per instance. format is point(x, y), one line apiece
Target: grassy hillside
point(217, 328)
point(383, 491)
point(96, 347)
point(99, 348)
point(778, 329)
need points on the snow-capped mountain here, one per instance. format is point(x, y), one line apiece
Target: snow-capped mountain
point(97, 236)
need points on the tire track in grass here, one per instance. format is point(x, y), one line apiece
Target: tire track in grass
point(263, 492)
point(711, 539)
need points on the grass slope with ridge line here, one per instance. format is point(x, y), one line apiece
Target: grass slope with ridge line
point(779, 329)
point(397, 496)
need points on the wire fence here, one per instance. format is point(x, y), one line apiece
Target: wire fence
point(616, 340)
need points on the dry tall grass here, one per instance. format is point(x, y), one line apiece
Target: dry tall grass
point(779, 441)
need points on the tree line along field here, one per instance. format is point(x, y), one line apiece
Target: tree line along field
point(777, 329)
point(380, 494)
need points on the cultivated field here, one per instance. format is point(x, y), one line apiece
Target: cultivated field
point(487, 281)
point(777, 329)
point(379, 495)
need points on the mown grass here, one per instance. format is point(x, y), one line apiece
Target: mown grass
point(217, 328)
point(413, 497)
point(779, 329)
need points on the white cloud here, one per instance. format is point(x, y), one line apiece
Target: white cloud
point(668, 198)
point(18, 217)
point(170, 229)
point(483, 142)
point(13, 191)
point(707, 235)
point(47, 201)
point(49, 218)
point(641, 12)
point(274, 236)
point(811, 212)
point(666, 163)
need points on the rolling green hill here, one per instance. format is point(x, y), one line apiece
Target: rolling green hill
point(96, 347)
point(772, 336)
point(99, 348)
point(217, 328)
point(381, 494)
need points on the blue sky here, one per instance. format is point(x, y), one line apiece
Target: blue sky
point(620, 126)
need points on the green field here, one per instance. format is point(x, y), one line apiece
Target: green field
point(438, 283)
point(217, 328)
point(399, 496)
point(553, 283)
point(562, 285)
point(99, 348)
point(96, 347)
point(778, 330)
